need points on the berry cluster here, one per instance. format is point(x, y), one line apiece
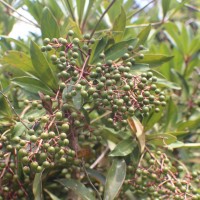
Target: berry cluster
point(158, 178)
point(50, 139)
point(108, 85)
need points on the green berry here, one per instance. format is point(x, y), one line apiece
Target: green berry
point(70, 33)
point(49, 47)
point(76, 41)
point(65, 127)
point(46, 41)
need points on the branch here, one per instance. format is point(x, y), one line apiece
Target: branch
point(14, 10)
point(140, 9)
point(101, 18)
point(11, 106)
point(98, 160)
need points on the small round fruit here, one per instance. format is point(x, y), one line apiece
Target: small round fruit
point(70, 33)
point(65, 127)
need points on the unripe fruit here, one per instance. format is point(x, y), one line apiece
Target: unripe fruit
point(46, 41)
point(70, 33)
point(34, 165)
point(86, 36)
point(76, 41)
point(65, 127)
point(48, 47)
point(58, 115)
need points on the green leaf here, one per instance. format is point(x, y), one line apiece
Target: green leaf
point(80, 8)
point(117, 50)
point(154, 59)
point(42, 67)
point(37, 186)
point(86, 115)
point(77, 101)
point(98, 176)
point(5, 108)
point(35, 9)
point(119, 26)
point(49, 26)
point(52, 196)
point(78, 188)
point(165, 7)
point(138, 131)
point(32, 85)
point(19, 60)
point(143, 35)
point(189, 124)
point(115, 178)
point(171, 116)
point(152, 120)
point(139, 67)
point(161, 139)
point(18, 130)
point(98, 48)
point(179, 144)
point(17, 42)
point(168, 84)
point(123, 148)
point(109, 134)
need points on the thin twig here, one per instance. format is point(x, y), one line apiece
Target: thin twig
point(140, 9)
point(83, 165)
point(83, 68)
point(13, 9)
point(98, 160)
point(97, 24)
point(13, 109)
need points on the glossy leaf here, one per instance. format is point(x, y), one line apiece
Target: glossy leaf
point(179, 144)
point(171, 116)
point(161, 139)
point(78, 187)
point(96, 175)
point(114, 179)
point(191, 124)
point(49, 26)
point(117, 50)
point(37, 186)
point(168, 84)
point(32, 85)
point(119, 26)
point(143, 35)
point(97, 49)
point(123, 148)
point(19, 129)
point(42, 67)
point(52, 196)
point(77, 101)
point(138, 131)
point(139, 67)
point(35, 9)
point(154, 59)
point(151, 120)
point(109, 134)
point(5, 107)
point(19, 60)
point(17, 42)
point(165, 7)
point(80, 8)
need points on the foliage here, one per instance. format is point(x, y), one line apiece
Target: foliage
point(104, 104)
